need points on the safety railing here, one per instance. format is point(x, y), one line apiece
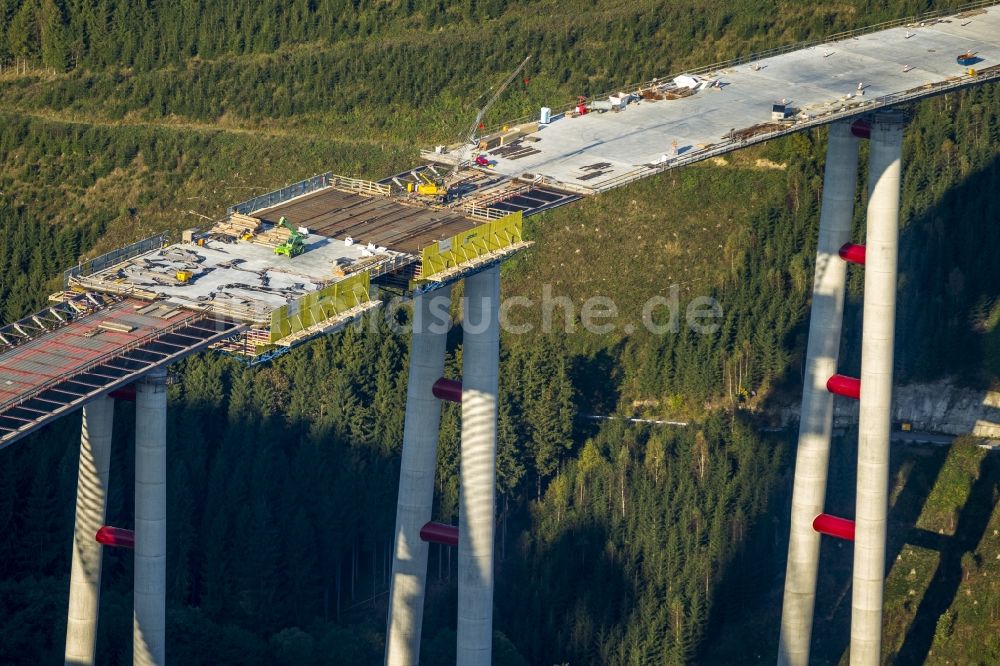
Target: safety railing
point(484, 213)
point(761, 55)
point(284, 194)
point(360, 186)
point(114, 257)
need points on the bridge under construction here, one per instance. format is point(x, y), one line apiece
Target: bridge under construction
point(305, 260)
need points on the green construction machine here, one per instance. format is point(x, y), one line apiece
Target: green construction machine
point(292, 247)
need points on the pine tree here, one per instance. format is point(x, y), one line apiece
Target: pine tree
point(52, 35)
point(510, 467)
point(388, 397)
point(23, 34)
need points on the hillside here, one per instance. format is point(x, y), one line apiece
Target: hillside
point(409, 69)
point(127, 122)
point(743, 232)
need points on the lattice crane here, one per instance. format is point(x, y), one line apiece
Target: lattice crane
point(471, 134)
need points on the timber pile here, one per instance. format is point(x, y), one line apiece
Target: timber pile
point(237, 225)
point(362, 264)
point(489, 142)
point(660, 92)
point(272, 237)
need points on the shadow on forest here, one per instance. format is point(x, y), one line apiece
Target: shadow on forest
point(970, 527)
point(946, 272)
point(584, 593)
point(596, 380)
point(749, 588)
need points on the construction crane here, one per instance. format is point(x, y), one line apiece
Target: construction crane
point(471, 135)
point(440, 187)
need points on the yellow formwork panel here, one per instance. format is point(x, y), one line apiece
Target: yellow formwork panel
point(468, 245)
point(319, 306)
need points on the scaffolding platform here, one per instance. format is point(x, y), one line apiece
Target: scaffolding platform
point(240, 279)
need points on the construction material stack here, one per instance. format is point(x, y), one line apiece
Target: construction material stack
point(239, 226)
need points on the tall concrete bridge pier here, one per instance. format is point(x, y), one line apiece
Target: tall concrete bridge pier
point(477, 393)
point(816, 420)
point(91, 505)
point(148, 539)
point(873, 389)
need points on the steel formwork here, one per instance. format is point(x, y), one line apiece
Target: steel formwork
point(62, 369)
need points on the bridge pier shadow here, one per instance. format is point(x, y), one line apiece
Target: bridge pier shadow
point(969, 530)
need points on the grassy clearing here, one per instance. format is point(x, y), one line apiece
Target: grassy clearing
point(951, 492)
point(683, 228)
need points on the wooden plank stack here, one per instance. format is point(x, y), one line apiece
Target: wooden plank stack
point(273, 237)
point(237, 225)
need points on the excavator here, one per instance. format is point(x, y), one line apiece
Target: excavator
point(293, 246)
point(429, 187)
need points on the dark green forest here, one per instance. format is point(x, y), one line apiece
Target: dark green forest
point(618, 544)
point(360, 67)
point(65, 34)
point(282, 506)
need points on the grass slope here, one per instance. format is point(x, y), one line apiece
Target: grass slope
point(943, 590)
point(683, 228)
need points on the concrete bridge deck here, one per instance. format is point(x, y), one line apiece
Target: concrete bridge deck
point(599, 151)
